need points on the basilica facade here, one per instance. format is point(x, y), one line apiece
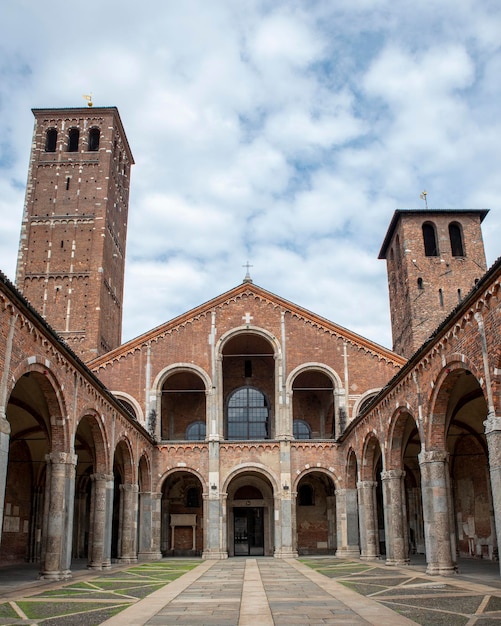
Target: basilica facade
point(247, 426)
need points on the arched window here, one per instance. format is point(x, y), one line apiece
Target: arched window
point(94, 136)
point(247, 414)
point(51, 140)
point(73, 138)
point(301, 430)
point(305, 495)
point(196, 431)
point(456, 238)
point(420, 284)
point(430, 239)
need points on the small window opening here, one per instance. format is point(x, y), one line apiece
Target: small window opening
point(62, 243)
point(73, 138)
point(301, 430)
point(305, 495)
point(67, 183)
point(441, 297)
point(248, 369)
point(459, 295)
point(94, 136)
point(430, 239)
point(420, 284)
point(51, 140)
point(456, 238)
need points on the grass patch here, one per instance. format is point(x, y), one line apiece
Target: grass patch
point(40, 610)
point(7, 611)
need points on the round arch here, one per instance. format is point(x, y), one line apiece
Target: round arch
point(122, 395)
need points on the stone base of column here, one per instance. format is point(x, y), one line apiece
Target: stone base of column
point(397, 562)
point(369, 557)
point(350, 552)
point(210, 555)
point(149, 556)
point(434, 569)
point(126, 559)
point(60, 575)
point(285, 553)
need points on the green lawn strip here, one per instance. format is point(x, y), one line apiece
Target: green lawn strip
point(40, 610)
point(84, 619)
point(7, 611)
point(364, 589)
point(427, 617)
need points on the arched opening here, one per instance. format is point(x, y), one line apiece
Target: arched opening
point(313, 403)
point(50, 140)
point(469, 469)
point(456, 239)
point(73, 139)
point(430, 239)
point(316, 514)
point(183, 406)
point(248, 387)
point(24, 524)
point(182, 515)
point(371, 504)
point(94, 136)
point(123, 536)
point(250, 516)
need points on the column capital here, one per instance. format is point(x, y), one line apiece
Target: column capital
point(492, 424)
point(4, 423)
point(61, 458)
point(366, 484)
point(130, 487)
point(101, 476)
point(433, 456)
point(392, 474)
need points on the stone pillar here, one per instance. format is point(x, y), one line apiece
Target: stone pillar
point(283, 539)
point(369, 535)
point(98, 519)
point(493, 434)
point(60, 487)
point(395, 517)
point(148, 537)
point(347, 523)
point(127, 552)
point(331, 524)
point(4, 460)
point(436, 511)
point(215, 531)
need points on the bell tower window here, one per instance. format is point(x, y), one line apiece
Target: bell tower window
point(456, 239)
point(94, 136)
point(73, 138)
point(51, 140)
point(430, 239)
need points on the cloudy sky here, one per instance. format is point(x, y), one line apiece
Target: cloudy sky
point(283, 133)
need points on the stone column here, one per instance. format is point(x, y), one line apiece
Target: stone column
point(98, 518)
point(436, 513)
point(347, 523)
point(149, 539)
point(4, 460)
point(395, 517)
point(60, 487)
point(283, 539)
point(369, 539)
point(493, 434)
point(127, 552)
point(215, 531)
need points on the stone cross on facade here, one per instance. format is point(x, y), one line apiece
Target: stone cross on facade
point(247, 318)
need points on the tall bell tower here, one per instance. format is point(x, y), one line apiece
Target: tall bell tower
point(71, 257)
point(433, 259)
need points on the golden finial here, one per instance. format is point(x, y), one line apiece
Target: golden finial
point(89, 99)
point(423, 196)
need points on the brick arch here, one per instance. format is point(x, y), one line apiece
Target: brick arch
point(176, 470)
point(60, 435)
point(100, 438)
point(396, 432)
point(351, 469)
point(122, 395)
point(177, 368)
point(314, 367)
point(435, 434)
point(243, 469)
point(370, 447)
point(496, 378)
point(124, 448)
point(248, 330)
point(319, 470)
point(144, 472)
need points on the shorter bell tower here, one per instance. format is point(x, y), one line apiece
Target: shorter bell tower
point(433, 259)
point(72, 250)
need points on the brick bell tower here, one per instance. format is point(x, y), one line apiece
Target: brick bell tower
point(433, 259)
point(72, 249)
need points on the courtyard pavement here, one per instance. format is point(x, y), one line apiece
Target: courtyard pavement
point(310, 591)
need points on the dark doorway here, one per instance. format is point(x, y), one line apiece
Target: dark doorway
point(249, 531)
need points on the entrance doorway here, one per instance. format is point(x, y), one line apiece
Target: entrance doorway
point(248, 531)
